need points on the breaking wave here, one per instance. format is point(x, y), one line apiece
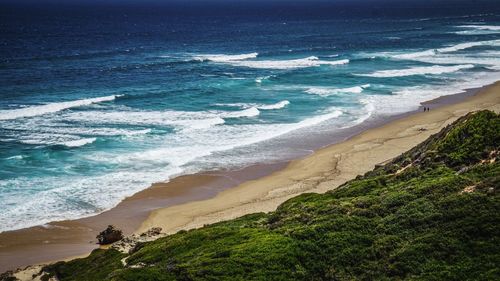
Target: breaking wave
point(325, 91)
point(244, 60)
point(250, 112)
point(278, 105)
point(423, 70)
point(454, 48)
point(225, 58)
point(478, 29)
point(287, 64)
point(78, 143)
point(50, 108)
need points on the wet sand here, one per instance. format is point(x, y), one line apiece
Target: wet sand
point(194, 200)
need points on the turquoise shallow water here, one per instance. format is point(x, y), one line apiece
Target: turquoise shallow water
point(98, 108)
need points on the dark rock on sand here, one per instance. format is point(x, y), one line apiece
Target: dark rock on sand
point(109, 235)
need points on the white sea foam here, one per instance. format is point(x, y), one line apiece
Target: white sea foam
point(478, 29)
point(137, 132)
point(72, 197)
point(198, 123)
point(287, 64)
point(277, 105)
point(45, 138)
point(185, 119)
point(226, 58)
point(250, 112)
point(50, 108)
point(482, 27)
point(327, 91)
point(468, 45)
point(177, 119)
point(50, 131)
point(421, 70)
point(259, 80)
point(245, 61)
point(15, 157)
point(484, 59)
point(416, 54)
point(318, 119)
point(78, 143)
point(188, 146)
point(362, 114)
point(409, 98)
point(96, 131)
point(475, 32)
point(454, 48)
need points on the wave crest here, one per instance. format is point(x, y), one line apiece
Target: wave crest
point(78, 143)
point(277, 105)
point(324, 91)
point(288, 64)
point(478, 29)
point(250, 112)
point(423, 70)
point(226, 58)
point(454, 48)
point(244, 61)
point(50, 108)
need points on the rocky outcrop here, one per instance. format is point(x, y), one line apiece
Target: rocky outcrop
point(109, 235)
point(134, 242)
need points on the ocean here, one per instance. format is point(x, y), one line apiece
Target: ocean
point(99, 102)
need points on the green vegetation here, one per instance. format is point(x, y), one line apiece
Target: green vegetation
point(433, 213)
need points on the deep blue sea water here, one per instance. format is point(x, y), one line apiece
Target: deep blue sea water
point(98, 102)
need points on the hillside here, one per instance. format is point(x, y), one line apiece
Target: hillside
point(432, 213)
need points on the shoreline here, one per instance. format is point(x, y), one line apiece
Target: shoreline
point(328, 167)
point(191, 201)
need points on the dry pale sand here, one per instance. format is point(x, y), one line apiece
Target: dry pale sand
point(324, 170)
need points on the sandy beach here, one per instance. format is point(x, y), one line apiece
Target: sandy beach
point(195, 200)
